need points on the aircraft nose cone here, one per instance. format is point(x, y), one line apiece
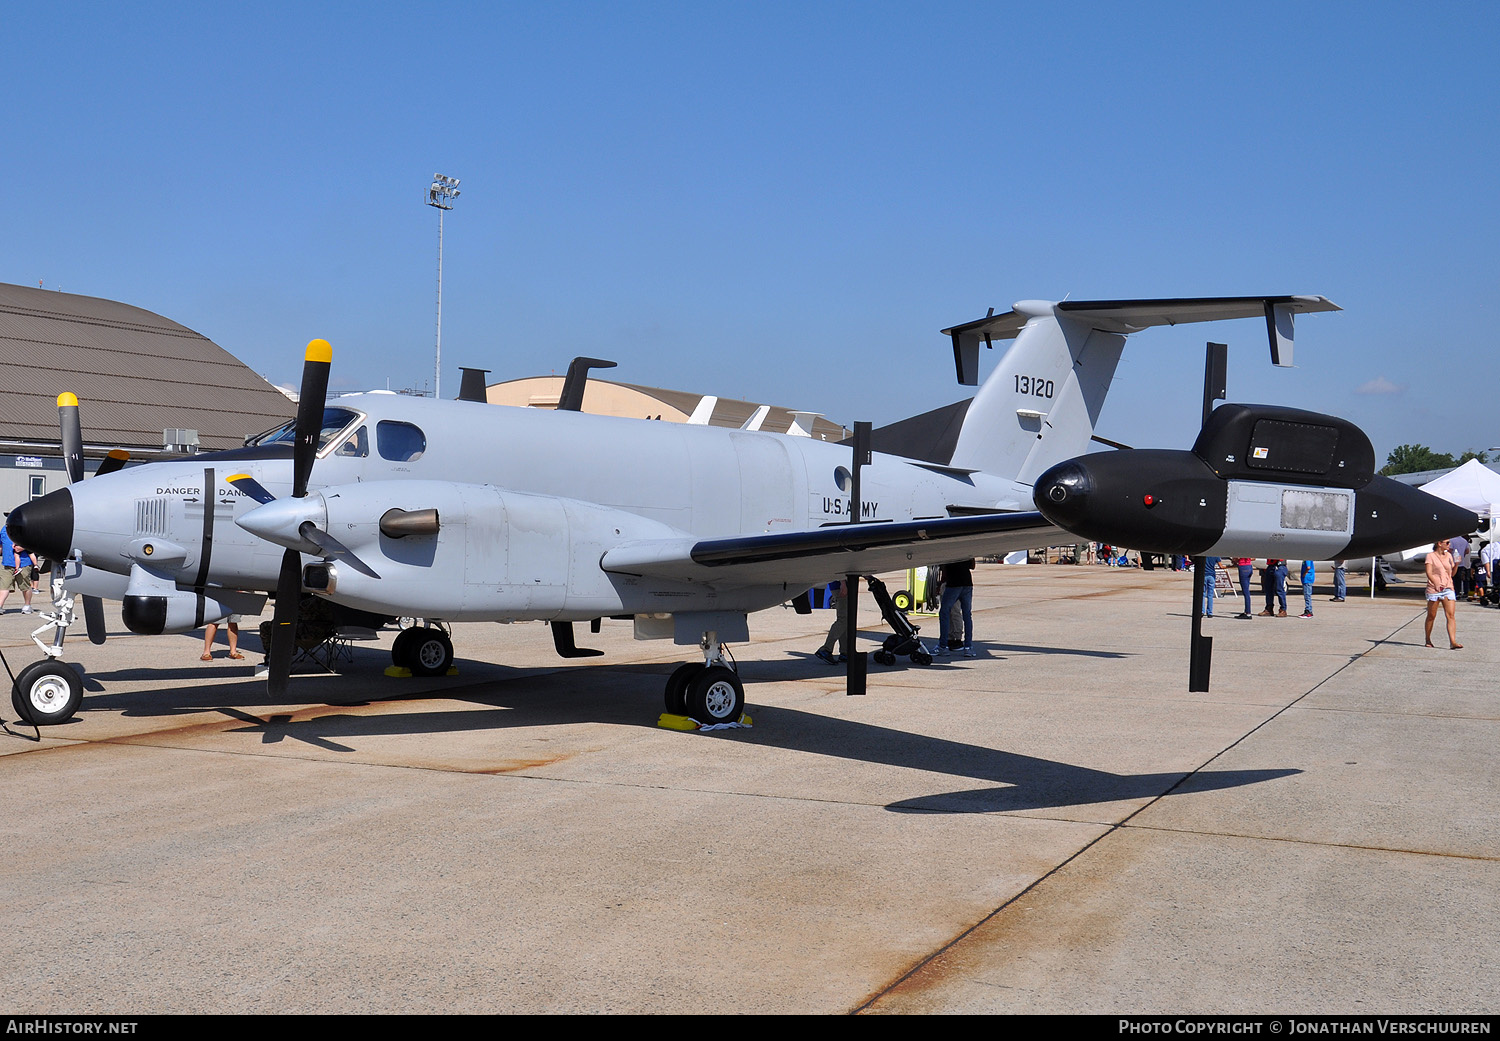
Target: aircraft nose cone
point(1062, 493)
point(45, 525)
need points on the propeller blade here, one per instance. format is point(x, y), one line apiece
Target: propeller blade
point(116, 458)
point(251, 487)
point(314, 395)
point(72, 436)
point(332, 548)
point(284, 623)
point(93, 619)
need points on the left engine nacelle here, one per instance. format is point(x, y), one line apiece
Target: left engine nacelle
point(465, 551)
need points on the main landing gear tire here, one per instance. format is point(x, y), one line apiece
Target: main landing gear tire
point(677, 685)
point(716, 695)
point(401, 649)
point(430, 652)
point(46, 693)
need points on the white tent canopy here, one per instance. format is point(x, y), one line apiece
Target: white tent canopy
point(1473, 486)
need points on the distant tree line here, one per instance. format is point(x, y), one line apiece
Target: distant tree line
point(1410, 459)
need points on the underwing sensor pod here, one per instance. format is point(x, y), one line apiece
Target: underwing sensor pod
point(1261, 481)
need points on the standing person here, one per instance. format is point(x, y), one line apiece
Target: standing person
point(1340, 581)
point(838, 632)
point(1488, 557)
point(232, 625)
point(1440, 591)
point(1309, 574)
point(1273, 585)
point(956, 628)
point(19, 566)
point(1210, 583)
point(1247, 568)
point(958, 587)
point(1461, 568)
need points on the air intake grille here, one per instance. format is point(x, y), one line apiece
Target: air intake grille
point(151, 516)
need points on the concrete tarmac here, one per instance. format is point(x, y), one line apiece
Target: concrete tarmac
point(1056, 825)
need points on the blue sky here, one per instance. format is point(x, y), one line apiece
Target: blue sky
point(781, 202)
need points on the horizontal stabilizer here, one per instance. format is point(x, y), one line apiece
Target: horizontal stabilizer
point(1131, 316)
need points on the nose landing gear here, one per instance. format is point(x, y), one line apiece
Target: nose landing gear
point(49, 691)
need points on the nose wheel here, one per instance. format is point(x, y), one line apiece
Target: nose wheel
point(46, 693)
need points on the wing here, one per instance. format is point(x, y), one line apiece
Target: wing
point(804, 558)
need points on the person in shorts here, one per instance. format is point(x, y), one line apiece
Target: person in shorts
point(18, 568)
point(233, 625)
point(1440, 564)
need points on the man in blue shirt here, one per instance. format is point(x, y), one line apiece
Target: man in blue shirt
point(17, 570)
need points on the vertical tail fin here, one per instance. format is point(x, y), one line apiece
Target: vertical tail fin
point(1040, 404)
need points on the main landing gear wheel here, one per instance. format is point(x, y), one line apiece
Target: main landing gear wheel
point(47, 692)
point(677, 685)
point(430, 653)
point(716, 695)
point(401, 649)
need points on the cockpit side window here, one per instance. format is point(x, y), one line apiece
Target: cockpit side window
point(357, 446)
point(334, 420)
point(399, 442)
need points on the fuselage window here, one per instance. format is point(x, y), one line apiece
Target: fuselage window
point(399, 442)
point(357, 447)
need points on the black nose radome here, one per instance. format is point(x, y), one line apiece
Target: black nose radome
point(1062, 493)
point(45, 525)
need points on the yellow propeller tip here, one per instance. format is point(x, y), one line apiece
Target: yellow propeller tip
point(65, 399)
point(319, 350)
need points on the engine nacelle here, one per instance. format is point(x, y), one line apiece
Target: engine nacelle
point(455, 551)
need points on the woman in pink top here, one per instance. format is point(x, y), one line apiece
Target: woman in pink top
point(1440, 590)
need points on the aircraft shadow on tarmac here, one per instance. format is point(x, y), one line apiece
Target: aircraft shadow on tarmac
point(627, 695)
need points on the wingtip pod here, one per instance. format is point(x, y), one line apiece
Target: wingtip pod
point(65, 400)
point(319, 350)
point(1307, 492)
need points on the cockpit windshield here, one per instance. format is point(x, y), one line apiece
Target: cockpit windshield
point(334, 420)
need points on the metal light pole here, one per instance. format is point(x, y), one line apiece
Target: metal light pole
point(441, 194)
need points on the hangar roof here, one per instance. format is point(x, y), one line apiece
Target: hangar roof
point(608, 398)
point(135, 373)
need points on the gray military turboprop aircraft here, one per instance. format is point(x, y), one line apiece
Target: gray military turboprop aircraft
point(460, 511)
